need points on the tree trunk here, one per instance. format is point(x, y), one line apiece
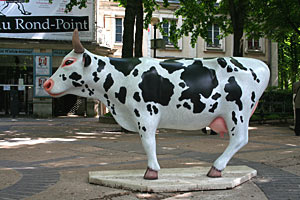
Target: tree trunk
point(138, 51)
point(237, 13)
point(129, 21)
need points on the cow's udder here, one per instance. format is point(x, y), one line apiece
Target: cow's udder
point(219, 125)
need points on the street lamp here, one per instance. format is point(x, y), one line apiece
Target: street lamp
point(154, 22)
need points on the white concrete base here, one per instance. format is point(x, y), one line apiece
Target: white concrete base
point(173, 179)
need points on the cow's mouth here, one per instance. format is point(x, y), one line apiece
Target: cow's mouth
point(55, 94)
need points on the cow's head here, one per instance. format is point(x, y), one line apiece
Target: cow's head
point(72, 76)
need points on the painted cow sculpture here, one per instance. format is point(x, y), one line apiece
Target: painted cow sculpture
point(145, 94)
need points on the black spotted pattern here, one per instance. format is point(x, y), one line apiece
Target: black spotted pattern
point(101, 65)
point(214, 107)
point(124, 65)
point(234, 119)
point(137, 113)
point(96, 78)
point(136, 96)
point(121, 96)
point(108, 82)
point(238, 64)
point(222, 62)
point(75, 76)
point(234, 92)
point(156, 88)
point(216, 96)
point(200, 81)
point(171, 65)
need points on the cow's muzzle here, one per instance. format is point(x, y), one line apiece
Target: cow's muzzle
point(48, 85)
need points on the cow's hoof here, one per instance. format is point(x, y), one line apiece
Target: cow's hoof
point(151, 174)
point(214, 173)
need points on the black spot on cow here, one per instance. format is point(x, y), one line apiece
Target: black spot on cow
point(75, 76)
point(229, 69)
point(253, 74)
point(178, 106)
point(149, 109)
point(139, 125)
point(232, 129)
point(105, 96)
point(144, 129)
point(101, 65)
point(63, 77)
point(216, 96)
point(186, 105)
point(236, 69)
point(136, 96)
point(253, 97)
point(238, 64)
point(108, 82)
point(82, 82)
point(182, 84)
point(201, 81)
point(124, 65)
point(241, 118)
point(96, 78)
point(234, 119)
point(83, 90)
point(121, 96)
point(108, 103)
point(137, 113)
point(76, 84)
point(234, 92)
point(91, 91)
point(95, 58)
point(86, 86)
point(213, 108)
point(155, 109)
point(222, 62)
point(156, 88)
point(113, 111)
point(171, 65)
point(135, 72)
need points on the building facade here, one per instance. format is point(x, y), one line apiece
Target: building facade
point(33, 42)
point(110, 25)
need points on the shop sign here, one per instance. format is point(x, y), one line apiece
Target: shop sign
point(16, 51)
point(39, 19)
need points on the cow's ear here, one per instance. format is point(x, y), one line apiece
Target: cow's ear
point(86, 59)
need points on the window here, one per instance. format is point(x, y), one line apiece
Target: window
point(166, 27)
point(119, 29)
point(213, 37)
point(254, 45)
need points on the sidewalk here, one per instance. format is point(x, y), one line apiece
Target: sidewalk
point(51, 158)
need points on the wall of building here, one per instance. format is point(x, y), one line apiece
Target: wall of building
point(109, 11)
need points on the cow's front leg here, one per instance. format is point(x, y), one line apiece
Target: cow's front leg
point(238, 139)
point(149, 143)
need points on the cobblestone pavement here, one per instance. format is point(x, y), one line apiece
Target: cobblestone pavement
point(51, 158)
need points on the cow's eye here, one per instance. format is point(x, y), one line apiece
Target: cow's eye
point(68, 62)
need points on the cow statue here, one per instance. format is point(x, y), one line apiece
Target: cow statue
point(145, 94)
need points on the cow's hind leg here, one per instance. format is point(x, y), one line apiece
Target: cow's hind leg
point(149, 144)
point(238, 138)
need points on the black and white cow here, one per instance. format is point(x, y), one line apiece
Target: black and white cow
point(145, 94)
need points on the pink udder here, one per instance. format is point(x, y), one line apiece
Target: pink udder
point(218, 125)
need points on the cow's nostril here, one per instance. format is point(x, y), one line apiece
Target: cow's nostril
point(48, 85)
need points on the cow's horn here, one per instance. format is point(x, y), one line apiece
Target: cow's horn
point(77, 46)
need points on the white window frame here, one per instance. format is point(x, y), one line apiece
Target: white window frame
point(221, 46)
point(170, 45)
point(261, 44)
point(115, 28)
